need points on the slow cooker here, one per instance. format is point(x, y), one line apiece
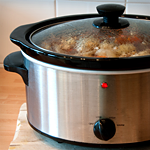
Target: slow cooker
point(76, 92)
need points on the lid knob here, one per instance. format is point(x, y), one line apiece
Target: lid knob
point(111, 13)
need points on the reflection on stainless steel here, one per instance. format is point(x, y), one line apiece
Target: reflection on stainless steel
point(67, 104)
point(52, 101)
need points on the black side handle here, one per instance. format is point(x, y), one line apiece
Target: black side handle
point(111, 13)
point(14, 62)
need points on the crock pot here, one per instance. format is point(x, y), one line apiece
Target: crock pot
point(81, 99)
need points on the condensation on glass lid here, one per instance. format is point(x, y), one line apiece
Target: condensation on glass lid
point(81, 38)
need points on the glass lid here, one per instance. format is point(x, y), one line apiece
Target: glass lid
point(104, 37)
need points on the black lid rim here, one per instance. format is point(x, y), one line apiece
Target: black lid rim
point(91, 63)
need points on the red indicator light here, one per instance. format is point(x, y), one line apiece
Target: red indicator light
point(104, 85)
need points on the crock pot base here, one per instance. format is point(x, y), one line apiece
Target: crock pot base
point(131, 146)
point(26, 138)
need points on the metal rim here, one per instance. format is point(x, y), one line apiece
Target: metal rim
point(83, 71)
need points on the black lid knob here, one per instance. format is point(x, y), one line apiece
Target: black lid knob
point(110, 9)
point(111, 13)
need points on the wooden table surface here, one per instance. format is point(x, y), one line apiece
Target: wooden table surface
point(12, 96)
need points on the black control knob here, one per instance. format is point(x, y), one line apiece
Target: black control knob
point(104, 129)
point(110, 14)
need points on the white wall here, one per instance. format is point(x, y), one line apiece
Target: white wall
point(14, 13)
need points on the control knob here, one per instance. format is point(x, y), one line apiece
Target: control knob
point(104, 129)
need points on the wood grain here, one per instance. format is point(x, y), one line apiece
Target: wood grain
point(12, 96)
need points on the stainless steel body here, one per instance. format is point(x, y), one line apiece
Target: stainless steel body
point(66, 103)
